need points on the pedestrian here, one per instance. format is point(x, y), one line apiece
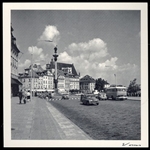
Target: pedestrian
point(20, 96)
point(24, 96)
point(28, 96)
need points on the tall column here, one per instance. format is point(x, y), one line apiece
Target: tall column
point(55, 59)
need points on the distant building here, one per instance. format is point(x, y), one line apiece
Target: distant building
point(25, 78)
point(42, 80)
point(47, 78)
point(37, 68)
point(67, 83)
point(15, 83)
point(87, 84)
point(61, 80)
point(106, 86)
point(68, 78)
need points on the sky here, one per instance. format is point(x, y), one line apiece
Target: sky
point(100, 43)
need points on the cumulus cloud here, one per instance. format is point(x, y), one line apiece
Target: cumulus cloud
point(105, 69)
point(91, 50)
point(43, 66)
point(50, 33)
point(64, 57)
point(25, 64)
point(109, 63)
point(35, 50)
point(38, 54)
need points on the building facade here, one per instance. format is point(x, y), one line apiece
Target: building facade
point(15, 83)
point(68, 79)
point(87, 84)
point(47, 80)
point(42, 80)
point(29, 80)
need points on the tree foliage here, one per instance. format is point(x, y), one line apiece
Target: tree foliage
point(133, 87)
point(99, 85)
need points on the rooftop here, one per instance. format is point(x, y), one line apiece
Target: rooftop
point(87, 78)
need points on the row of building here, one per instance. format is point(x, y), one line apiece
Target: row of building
point(15, 83)
point(38, 79)
point(43, 80)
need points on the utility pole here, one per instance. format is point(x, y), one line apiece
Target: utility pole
point(115, 79)
point(31, 72)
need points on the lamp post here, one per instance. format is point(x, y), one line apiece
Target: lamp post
point(55, 55)
point(115, 77)
point(31, 74)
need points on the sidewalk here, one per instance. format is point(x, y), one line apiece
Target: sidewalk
point(134, 98)
point(39, 120)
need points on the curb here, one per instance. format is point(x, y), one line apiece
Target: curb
point(53, 99)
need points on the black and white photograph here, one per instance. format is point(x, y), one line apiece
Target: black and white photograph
point(75, 74)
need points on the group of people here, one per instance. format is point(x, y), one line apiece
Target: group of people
point(24, 95)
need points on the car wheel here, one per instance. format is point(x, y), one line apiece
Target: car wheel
point(87, 103)
point(97, 103)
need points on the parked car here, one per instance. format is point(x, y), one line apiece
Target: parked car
point(121, 97)
point(102, 96)
point(96, 92)
point(65, 96)
point(79, 94)
point(88, 99)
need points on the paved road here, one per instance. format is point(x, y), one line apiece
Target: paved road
point(110, 120)
point(39, 120)
point(134, 98)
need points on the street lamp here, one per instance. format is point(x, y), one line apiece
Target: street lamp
point(55, 55)
point(115, 77)
point(31, 73)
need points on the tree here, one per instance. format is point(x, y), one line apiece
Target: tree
point(133, 87)
point(99, 85)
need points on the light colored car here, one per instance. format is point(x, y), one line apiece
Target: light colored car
point(96, 92)
point(79, 94)
point(88, 99)
point(121, 97)
point(65, 96)
point(102, 96)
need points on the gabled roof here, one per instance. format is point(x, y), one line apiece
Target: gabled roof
point(45, 72)
point(13, 43)
point(60, 73)
point(64, 65)
point(88, 79)
point(36, 68)
point(15, 81)
point(25, 75)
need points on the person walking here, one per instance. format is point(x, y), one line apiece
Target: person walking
point(28, 96)
point(20, 96)
point(24, 96)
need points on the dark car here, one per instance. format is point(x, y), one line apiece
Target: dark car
point(88, 99)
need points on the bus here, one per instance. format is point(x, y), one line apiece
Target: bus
point(116, 92)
